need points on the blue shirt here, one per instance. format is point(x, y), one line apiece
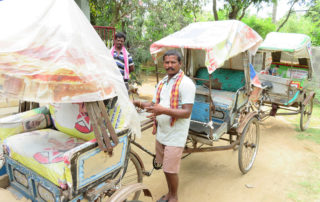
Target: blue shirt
point(120, 60)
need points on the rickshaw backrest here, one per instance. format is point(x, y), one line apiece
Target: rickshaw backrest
point(72, 120)
point(284, 70)
point(34, 119)
point(223, 79)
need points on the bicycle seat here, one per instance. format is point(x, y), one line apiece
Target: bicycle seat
point(266, 85)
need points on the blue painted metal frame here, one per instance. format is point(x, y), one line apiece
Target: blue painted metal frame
point(3, 170)
point(83, 182)
point(200, 112)
point(31, 192)
point(33, 178)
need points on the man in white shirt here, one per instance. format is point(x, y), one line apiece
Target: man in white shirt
point(171, 108)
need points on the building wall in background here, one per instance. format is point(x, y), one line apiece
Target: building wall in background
point(316, 64)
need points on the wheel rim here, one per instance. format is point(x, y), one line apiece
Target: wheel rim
point(132, 175)
point(249, 146)
point(306, 114)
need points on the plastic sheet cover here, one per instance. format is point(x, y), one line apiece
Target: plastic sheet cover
point(220, 40)
point(50, 53)
point(298, 44)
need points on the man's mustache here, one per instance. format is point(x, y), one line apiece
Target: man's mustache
point(170, 68)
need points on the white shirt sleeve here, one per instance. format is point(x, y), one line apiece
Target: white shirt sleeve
point(187, 91)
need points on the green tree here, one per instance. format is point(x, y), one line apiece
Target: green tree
point(236, 9)
point(145, 21)
point(260, 25)
point(314, 15)
point(291, 4)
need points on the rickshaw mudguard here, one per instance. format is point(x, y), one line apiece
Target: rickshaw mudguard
point(123, 193)
point(245, 120)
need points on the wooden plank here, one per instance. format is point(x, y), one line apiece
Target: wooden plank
point(108, 123)
point(91, 114)
point(101, 124)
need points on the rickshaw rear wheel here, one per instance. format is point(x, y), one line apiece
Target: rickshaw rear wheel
point(132, 174)
point(305, 115)
point(249, 144)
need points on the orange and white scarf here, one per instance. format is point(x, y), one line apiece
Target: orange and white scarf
point(174, 97)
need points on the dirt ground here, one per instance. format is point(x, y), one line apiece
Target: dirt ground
point(285, 169)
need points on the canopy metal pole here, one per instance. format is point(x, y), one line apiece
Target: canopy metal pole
point(309, 69)
point(246, 65)
point(264, 60)
point(210, 105)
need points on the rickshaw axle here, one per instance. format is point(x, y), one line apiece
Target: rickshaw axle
point(207, 149)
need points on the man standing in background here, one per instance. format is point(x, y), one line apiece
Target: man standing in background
point(122, 57)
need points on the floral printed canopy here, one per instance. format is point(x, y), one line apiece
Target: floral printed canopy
point(220, 40)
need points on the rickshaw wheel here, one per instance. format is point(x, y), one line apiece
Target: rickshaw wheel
point(132, 174)
point(249, 144)
point(306, 111)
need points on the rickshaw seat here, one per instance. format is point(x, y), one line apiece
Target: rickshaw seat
point(48, 151)
point(222, 79)
point(34, 119)
point(220, 98)
point(224, 92)
point(43, 152)
point(284, 70)
point(68, 118)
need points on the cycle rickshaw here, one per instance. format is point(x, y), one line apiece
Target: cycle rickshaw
point(286, 74)
point(217, 56)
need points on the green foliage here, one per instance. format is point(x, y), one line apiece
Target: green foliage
point(167, 17)
point(312, 134)
point(313, 15)
point(262, 26)
point(237, 9)
point(303, 25)
point(144, 21)
point(298, 24)
point(317, 96)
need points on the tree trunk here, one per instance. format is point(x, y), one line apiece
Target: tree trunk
point(288, 15)
point(214, 8)
point(274, 11)
point(234, 12)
